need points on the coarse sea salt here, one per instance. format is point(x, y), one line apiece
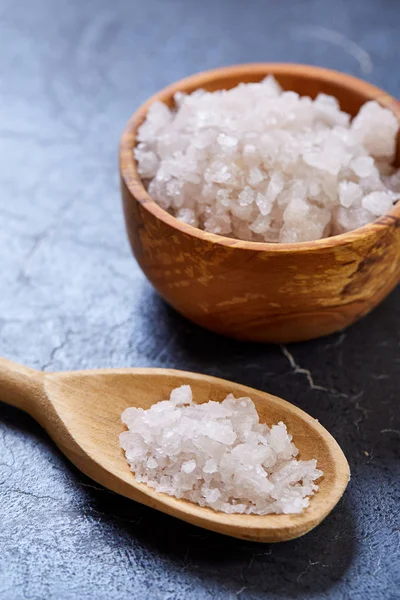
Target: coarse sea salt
point(262, 164)
point(217, 454)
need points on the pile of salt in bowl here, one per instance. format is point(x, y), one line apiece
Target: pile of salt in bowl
point(258, 163)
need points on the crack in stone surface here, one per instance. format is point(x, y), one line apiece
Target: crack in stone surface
point(300, 371)
point(42, 237)
point(57, 348)
point(31, 495)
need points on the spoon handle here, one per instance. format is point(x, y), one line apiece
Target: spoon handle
point(20, 386)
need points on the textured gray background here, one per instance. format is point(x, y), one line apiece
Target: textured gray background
point(71, 296)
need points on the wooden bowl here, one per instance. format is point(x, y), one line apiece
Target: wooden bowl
point(263, 291)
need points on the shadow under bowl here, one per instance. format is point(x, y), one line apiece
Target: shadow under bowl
point(262, 291)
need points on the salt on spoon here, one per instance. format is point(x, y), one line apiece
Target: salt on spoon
point(218, 454)
point(81, 411)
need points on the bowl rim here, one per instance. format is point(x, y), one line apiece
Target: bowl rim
point(131, 178)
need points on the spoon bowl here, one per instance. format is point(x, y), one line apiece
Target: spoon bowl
point(262, 291)
point(81, 411)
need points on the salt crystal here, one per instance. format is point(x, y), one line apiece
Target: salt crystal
point(255, 176)
point(220, 224)
point(351, 218)
point(260, 224)
point(217, 455)
point(363, 166)
point(189, 466)
point(378, 203)
point(296, 209)
point(246, 196)
point(149, 162)
point(210, 466)
point(376, 128)
point(272, 87)
point(247, 162)
point(227, 142)
point(187, 215)
point(211, 496)
point(181, 395)
point(350, 193)
point(243, 211)
point(264, 204)
point(328, 111)
point(217, 172)
point(275, 187)
point(223, 197)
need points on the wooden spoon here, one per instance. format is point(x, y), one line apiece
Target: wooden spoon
point(81, 411)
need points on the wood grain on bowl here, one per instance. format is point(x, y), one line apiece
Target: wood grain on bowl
point(262, 291)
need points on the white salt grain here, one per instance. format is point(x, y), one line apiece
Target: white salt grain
point(189, 466)
point(217, 455)
point(378, 203)
point(350, 193)
point(363, 166)
point(239, 162)
point(374, 127)
point(187, 215)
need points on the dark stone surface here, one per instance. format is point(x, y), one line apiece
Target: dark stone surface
point(71, 296)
